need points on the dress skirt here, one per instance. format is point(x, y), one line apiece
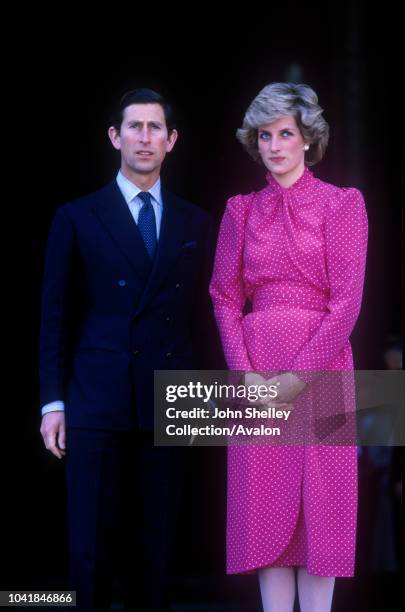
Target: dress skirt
point(291, 505)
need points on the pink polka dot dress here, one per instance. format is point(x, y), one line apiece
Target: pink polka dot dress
point(298, 254)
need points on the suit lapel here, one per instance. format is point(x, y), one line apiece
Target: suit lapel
point(171, 239)
point(113, 212)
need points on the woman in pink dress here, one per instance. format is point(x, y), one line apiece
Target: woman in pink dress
point(296, 250)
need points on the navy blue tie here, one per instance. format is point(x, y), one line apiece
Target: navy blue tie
point(147, 223)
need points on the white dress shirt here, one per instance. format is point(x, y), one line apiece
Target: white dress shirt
point(130, 194)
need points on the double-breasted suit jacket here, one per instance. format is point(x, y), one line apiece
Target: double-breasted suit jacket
point(132, 316)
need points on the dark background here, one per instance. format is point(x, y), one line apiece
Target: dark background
point(66, 71)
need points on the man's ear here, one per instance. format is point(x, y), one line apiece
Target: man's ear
point(114, 136)
point(171, 140)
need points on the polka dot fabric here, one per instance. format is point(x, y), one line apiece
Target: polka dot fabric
point(298, 254)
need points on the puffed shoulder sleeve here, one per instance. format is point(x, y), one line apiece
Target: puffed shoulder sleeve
point(227, 287)
point(346, 246)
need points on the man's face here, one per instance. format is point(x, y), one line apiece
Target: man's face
point(143, 139)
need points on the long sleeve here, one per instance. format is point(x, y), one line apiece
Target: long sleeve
point(205, 332)
point(55, 290)
point(226, 288)
point(346, 244)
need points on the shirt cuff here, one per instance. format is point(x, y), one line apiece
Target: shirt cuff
point(53, 407)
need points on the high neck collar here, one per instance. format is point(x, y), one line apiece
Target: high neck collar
point(304, 181)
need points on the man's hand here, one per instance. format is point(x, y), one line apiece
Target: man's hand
point(53, 432)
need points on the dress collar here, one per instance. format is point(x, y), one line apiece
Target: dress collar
point(303, 182)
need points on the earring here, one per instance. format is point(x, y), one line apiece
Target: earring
point(306, 147)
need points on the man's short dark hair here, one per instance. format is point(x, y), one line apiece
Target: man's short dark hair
point(142, 96)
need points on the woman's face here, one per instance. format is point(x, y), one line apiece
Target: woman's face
point(281, 148)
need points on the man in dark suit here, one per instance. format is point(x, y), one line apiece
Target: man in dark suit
point(131, 260)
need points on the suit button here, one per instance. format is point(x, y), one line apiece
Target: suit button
point(168, 355)
point(177, 285)
point(122, 283)
point(167, 319)
point(136, 352)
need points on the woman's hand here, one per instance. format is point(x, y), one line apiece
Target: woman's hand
point(288, 386)
point(256, 380)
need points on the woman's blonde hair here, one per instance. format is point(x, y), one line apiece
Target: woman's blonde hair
point(277, 100)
